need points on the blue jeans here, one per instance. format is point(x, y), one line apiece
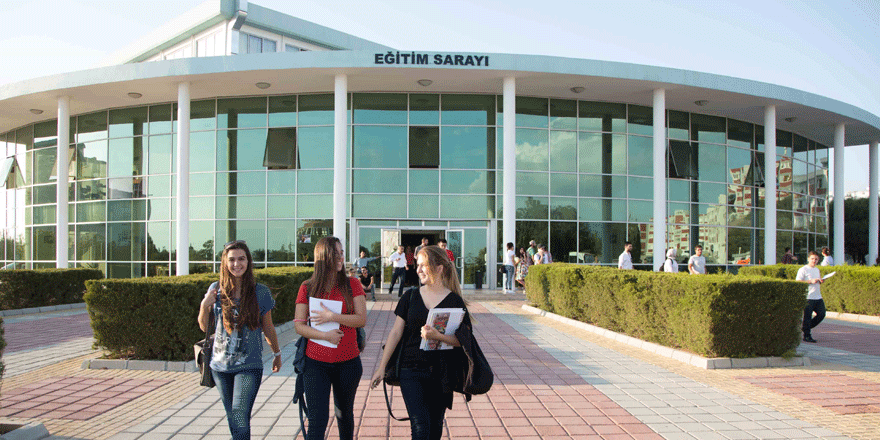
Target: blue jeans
point(238, 391)
point(810, 321)
point(317, 378)
point(425, 403)
point(508, 277)
point(399, 272)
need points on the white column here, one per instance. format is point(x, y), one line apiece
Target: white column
point(508, 217)
point(873, 225)
point(770, 184)
point(839, 137)
point(659, 179)
point(182, 179)
point(340, 143)
point(62, 237)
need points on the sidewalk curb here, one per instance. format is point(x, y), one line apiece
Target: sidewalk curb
point(27, 432)
point(679, 355)
point(32, 310)
point(180, 367)
point(867, 319)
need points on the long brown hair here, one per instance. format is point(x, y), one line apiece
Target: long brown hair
point(326, 277)
point(249, 310)
point(437, 258)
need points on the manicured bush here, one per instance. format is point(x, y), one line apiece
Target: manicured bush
point(853, 289)
point(711, 315)
point(156, 318)
point(24, 288)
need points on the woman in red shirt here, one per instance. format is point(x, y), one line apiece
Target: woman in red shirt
point(338, 367)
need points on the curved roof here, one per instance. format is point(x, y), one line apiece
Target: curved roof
point(545, 76)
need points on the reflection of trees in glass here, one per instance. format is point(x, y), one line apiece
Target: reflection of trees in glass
point(563, 242)
point(287, 252)
point(203, 254)
point(634, 235)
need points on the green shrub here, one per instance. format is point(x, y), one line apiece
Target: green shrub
point(24, 288)
point(853, 289)
point(711, 315)
point(156, 318)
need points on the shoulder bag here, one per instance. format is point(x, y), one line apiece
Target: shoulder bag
point(392, 368)
point(202, 351)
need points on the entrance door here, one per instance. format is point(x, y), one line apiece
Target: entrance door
point(390, 241)
point(455, 243)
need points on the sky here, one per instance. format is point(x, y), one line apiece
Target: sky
point(830, 48)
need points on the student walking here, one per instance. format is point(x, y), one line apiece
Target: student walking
point(522, 268)
point(509, 269)
point(625, 261)
point(336, 367)
point(398, 261)
point(810, 274)
point(427, 378)
point(697, 262)
point(243, 317)
point(827, 259)
point(670, 265)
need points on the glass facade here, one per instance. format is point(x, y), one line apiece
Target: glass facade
point(261, 170)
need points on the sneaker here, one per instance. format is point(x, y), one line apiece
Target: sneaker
point(809, 339)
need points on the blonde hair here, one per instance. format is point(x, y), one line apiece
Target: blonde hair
point(438, 262)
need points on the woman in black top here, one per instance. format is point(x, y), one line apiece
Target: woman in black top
point(426, 377)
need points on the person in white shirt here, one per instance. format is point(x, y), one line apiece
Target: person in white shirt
point(398, 261)
point(670, 265)
point(625, 261)
point(810, 274)
point(547, 258)
point(508, 268)
point(827, 260)
point(697, 262)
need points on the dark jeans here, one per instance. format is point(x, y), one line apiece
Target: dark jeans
point(238, 391)
point(810, 321)
point(508, 277)
point(425, 403)
point(399, 272)
point(317, 379)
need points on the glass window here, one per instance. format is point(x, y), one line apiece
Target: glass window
point(44, 243)
point(783, 143)
point(532, 112)
point(379, 108)
point(641, 188)
point(282, 182)
point(424, 109)
point(240, 149)
point(467, 147)
point(282, 240)
point(705, 128)
point(241, 207)
point(641, 156)
point(201, 208)
point(712, 193)
point(126, 188)
point(378, 206)
point(315, 182)
point(126, 157)
point(465, 182)
point(602, 116)
point(91, 190)
point(424, 206)
point(424, 147)
point(532, 150)
point(119, 210)
point(563, 242)
point(740, 134)
point(126, 241)
point(202, 151)
point(600, 242)
point(590, 185)
point(44, 165)
point(241, 113)
point(159, 241)
point(311, 206)
point(45, 135)
point(316, 109)
point(712, 214)
point(282, 206)
point(128, 122)
point(90, 242)
point(590, 153)
point(282, 111)
point(711, 162)
point(159, 209)
point(563, 208)
point(532, 208)
point(467, 109)
point(379, 147)
point(454, 206)
point(44, 194)
point(160, 118)
point(201, 115)
point(678, 213)
point(280, 152)
point(159, 154)
point(378, 181)
point(241, 183)
point(89, 127)
point(532, 183)
point(91, 160)
point(201, 241)
point(714, 244)
point(251, 231)
point(424, 181)
point(563, 151)
point(526, 230)
point(563, 184)
point(679, 125)
point(159, 186)
point(641, 120)
point(640, 211)
point(90, 212)
point(44, 215)
point(315, 147)
point(563, 114)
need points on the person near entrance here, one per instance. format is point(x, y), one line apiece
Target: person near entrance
point(398, 261)
point(697, 262)
point(424, 243)
point(367, 281)
point(787, 257)
point(810, 274)
point(442, 244)
point(362, 261)
point(532, 250)
point(625, 261)
point(509, 255)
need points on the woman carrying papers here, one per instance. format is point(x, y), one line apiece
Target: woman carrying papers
point(332, 356)
point(429, 375)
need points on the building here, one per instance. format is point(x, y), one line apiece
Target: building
point(239, 122)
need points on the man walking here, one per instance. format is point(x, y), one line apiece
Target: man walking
point(532, 250)
point(625, 261)
point(419, 247)
point(787, 257)
point(442, 243)
point(810, 274)
point(398, 261)
point(697, 262)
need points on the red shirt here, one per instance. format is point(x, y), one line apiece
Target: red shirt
point(347, 348)
point(450, 255)
point(410, 259)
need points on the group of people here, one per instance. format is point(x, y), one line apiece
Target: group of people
point(696, 263)
point(241, 312)
point(403, 262)
point(516, 265)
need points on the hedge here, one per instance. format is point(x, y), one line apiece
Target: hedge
point(853, 289)
point(24, 288)
point(712, 315)
point(156, 318)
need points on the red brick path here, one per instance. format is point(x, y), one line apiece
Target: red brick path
point(848, 338)
point(838, 392)
point(25, 335)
